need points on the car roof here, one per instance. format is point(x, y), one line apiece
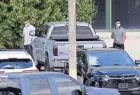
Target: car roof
point(65, 22)
point(100, 49)
point(13, 53)
point(31, 74)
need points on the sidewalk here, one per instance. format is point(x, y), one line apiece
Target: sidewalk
point(132, 45)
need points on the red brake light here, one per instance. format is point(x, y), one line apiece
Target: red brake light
point(55, 51)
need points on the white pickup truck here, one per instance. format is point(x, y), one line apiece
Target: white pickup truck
point(50, 47)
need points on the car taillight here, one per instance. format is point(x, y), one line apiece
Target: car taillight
point(55, 51)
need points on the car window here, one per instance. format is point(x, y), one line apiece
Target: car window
point(10, 87)
point(66, 86)
point(15, 63)
point(82, 32)
point(39, 87)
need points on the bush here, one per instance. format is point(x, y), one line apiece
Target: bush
point(13, 13)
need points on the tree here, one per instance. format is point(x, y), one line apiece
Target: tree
point(13, 13)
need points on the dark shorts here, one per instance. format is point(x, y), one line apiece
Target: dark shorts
point(116, 45)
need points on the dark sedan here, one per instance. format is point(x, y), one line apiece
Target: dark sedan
point(108, 68)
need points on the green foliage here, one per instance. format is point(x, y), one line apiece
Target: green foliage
point(13, 13)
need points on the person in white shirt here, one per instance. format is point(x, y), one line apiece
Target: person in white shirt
point(26, 35)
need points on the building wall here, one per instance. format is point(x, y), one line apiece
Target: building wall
point(128, 11)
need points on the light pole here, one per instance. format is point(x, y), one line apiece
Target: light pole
point(72, 38)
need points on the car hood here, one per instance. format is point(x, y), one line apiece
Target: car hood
point(116, 70)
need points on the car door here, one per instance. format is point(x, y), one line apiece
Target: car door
point(66, 86)
point(40, 86)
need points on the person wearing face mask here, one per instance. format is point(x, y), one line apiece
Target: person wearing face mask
point(119, 35)
point(26, 34)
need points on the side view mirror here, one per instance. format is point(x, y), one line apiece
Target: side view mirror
point(32, 33)
point(137, 62)
point(76, 92)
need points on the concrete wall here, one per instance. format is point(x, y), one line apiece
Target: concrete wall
point(132, 45)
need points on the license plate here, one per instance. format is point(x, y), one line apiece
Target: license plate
point(123, 85)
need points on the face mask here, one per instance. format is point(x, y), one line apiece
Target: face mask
point(118, 25)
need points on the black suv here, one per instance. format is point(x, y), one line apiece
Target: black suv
point(108, 68)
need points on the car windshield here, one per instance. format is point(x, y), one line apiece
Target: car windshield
point(109, 58)
point(15, 63)
point(9, 87)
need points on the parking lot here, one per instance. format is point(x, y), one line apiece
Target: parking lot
point(49, 47)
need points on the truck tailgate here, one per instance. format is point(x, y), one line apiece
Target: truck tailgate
point(63, 49)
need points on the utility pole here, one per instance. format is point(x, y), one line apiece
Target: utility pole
point(72, 38)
